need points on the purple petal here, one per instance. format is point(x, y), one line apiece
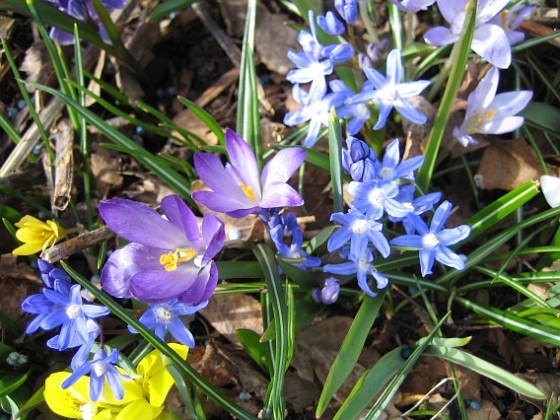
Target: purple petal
point(123, 264)
point(219, 202)
point(501, 125)
point(213, 233)
point(440, 35)
point(491, 43)
point(487, 9)
point(451, 9)
point(281, 167)
point(280, 195)
point(243, 160)
point(484, 94)
point(181, 216)
point(138, 222)
point(510, 103)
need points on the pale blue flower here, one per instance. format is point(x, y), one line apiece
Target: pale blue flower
point(488, 113)
point(362, 269)
point(386, 92)
point(377, 197)
point(358, 159)
point(509, 21)
point(415, 206)
point(348, 9)
point(434, 242)
point(360, 231)
point(328, 294)
point(163, 317)
point(100, 368)
point(391, 170)
point(330, 24)
point(489, 40)
point(412, 6)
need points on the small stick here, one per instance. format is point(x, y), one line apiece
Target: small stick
point(64, 168)
point(79, 243)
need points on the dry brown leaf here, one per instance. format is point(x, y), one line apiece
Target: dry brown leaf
point(228, 313)
point(507, 164)
point(273, 39)
point(37, 65)
point(487, 411)
point(105, 169)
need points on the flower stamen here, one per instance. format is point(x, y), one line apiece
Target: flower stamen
point(171, 259)
point(248, 191)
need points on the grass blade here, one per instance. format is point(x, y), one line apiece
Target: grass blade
point(335, 160)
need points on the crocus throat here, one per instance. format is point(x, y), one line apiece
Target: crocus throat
point(171, 259)
point(479, 119)
point(248, 191)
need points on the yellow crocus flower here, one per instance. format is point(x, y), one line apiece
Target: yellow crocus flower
point(143, 399)
point(36, 235)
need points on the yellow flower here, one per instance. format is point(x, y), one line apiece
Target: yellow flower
point(143, 399)
point(36, 235)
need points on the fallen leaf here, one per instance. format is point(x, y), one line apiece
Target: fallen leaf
point(487, 411)
point(228, 313)
point(273, 39)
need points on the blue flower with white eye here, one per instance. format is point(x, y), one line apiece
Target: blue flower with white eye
point(391, 170)
point(434, 242)
point(388, 92)
point(377, 197)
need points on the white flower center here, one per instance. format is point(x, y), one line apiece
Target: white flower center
point(163, 314)
point(100, 368)
point(375, 197)
point(387, 174)
point(362, 111)
point(359, 226)
point(408, 205)
point(430, 240)
point(88, 411)
point(74, 311)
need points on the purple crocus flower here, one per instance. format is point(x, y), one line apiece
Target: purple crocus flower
point(360, 231)
point(412, 6)
point(168, 257)
point(162, 317)
point(84, 11)
point(434, 242)
point(328, 294)
point(488, 113)
point(489, 40)
point(101, 367)
point(509, 21)
point(237, 188)
point(362, 269)
point(388, 92)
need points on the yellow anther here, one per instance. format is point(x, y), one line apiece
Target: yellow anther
point(478, 119)
point(248, 191)
point(171, 259)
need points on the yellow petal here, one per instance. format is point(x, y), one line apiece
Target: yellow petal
point(58, 231)
point(27, 249)
point(32, 222)
point(139, 410)
point(27, 234)
point(64, 402)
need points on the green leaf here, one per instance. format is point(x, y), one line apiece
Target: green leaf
point(248, 119)
point(513, 322)
point(206, 118)
point(12, 381)
point(250, 341)
point(485, 368)
point(542, 115)
point(335, 155)
point(350, 349)
point(459, 58)
point(501, 208)
point(164, 172)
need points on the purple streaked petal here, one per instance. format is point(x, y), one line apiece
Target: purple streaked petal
point(501, 125)
point(487, 9)
point(243, 160)
point(282, 166)
point(211, 170)
point(123, 264)
point(221, 202)
point(451, 9)
point(213, 233)
point(491, 43)
point(280, 195)
point(182, 217)
point(140, 223)
point(160, 285)
point(440, 35)
point(510, 103)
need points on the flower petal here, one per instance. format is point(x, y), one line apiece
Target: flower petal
point(181, 216)
point(281, 167)
point(137, 222)
point(491, 43)
point(160, 285)
point(510, 103)
point(440, 35)
point(451, 9)
point(123, 264)
point(280, 195)
point(243, 160)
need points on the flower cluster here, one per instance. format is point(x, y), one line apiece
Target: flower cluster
point(367, 103)
point(384, 190)
point(379, 94)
